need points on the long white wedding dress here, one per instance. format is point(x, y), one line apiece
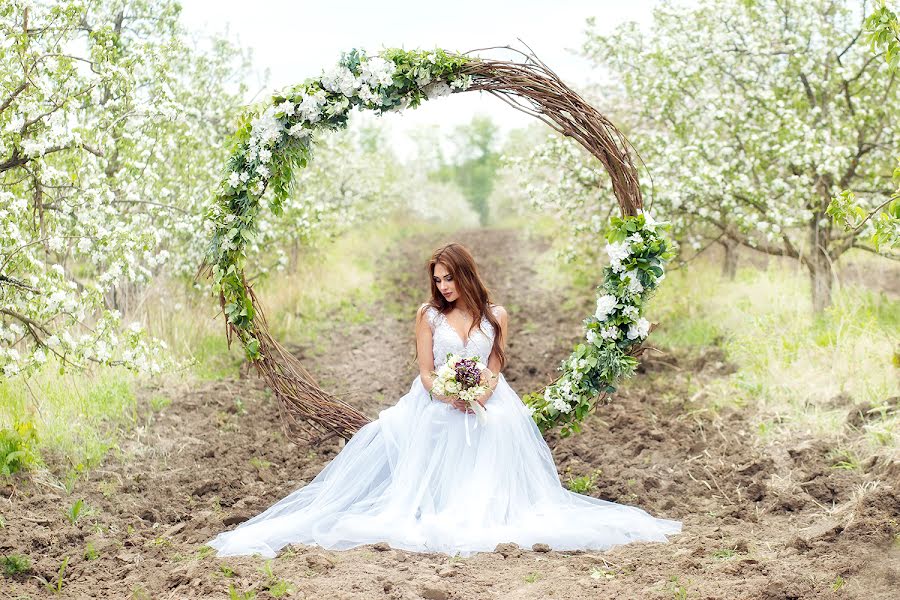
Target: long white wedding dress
point(427, 477)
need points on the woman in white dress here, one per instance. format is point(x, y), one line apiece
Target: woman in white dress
point(426, 476)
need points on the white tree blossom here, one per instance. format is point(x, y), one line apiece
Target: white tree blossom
point(754, 115)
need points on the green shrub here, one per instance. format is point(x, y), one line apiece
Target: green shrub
point(13, 564)
point(17, 448)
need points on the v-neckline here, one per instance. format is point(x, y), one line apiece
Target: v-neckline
point(465, 343)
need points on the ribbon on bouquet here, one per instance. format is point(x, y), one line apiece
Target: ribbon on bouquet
point(480, 418)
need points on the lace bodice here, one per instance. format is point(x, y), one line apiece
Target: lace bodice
point(445, 339)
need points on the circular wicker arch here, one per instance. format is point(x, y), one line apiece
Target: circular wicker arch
point(527, 85)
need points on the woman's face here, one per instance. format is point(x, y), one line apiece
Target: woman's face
point(444, 282)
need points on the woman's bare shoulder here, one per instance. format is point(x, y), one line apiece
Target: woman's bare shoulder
point(499, 311)
point(425, 312)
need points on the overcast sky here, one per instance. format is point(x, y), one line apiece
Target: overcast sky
point(297, 39)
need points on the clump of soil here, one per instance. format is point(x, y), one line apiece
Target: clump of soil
point(760, 521)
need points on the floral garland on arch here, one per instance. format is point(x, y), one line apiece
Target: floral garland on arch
point(638, 253)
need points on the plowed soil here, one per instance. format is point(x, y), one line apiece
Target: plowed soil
point(774, 520)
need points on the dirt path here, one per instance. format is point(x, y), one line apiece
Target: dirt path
point(775, 521)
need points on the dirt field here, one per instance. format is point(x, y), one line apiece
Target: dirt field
point(775, 521)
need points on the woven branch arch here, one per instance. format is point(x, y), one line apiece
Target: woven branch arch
point(274, 138)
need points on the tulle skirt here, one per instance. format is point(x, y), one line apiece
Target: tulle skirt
point(427, 477)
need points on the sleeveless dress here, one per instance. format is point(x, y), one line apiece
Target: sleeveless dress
point(427, 477)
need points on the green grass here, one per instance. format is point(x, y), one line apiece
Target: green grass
point(678, 588)
point(214, 360)
point(276, 587)
point(724, 553)
point(77, 417)
point(234, 594)
point(226, 571)
point(790, 362)
point(73, 513)
point(90, 553)
point(843, 458)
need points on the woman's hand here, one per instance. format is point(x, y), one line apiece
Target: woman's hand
point(482, 400)
point(460, 404)
point(453, 401)
point(437, 396)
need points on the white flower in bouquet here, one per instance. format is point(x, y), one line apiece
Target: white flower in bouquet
point(445, 371)
point(461, 83)
point(367, 95)
point(452, 388)
point(560, 405)
point(310, 107)
point(469, 395)
point(423, 79)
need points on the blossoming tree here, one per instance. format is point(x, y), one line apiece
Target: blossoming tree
point(883, 222)
point(760, 113)
point(106, 123)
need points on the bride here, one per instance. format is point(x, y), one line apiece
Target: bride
point(427, 477)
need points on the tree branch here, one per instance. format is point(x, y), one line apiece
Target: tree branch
point(12, 96)
point(27, 320)
point(17, 283)
point(17, 159)
point(873, 251)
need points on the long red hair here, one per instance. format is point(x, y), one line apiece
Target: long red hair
point(474, 296)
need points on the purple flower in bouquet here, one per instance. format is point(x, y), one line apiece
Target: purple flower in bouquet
point(468, 373)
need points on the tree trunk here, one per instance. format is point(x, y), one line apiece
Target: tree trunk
point(729, 264)
point(823, 254)
point(821, 276)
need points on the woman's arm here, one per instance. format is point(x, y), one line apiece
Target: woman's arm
point(425, 353)
point(424, 350)
point(493, 364)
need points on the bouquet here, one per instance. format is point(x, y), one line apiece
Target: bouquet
point(461, 377)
